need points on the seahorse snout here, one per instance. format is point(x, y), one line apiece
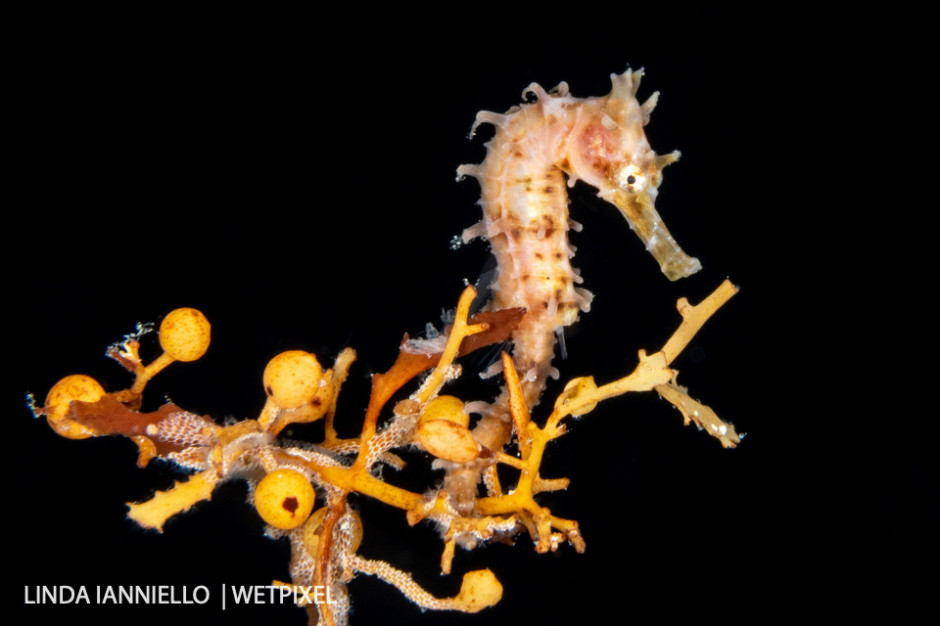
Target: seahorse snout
point(641, 214)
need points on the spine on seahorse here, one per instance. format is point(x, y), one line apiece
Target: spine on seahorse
point(536, 147)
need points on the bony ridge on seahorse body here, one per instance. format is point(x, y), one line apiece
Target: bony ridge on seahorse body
point(525, 212)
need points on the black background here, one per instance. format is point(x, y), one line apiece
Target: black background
point(293, 177)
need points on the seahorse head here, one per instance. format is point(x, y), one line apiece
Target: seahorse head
point(609, 150)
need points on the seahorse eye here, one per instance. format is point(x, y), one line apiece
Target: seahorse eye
point(632, 178)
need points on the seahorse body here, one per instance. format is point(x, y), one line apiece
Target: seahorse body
point(525, 213)
point(525, 204)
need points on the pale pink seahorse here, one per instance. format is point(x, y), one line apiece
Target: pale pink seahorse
point(525, 215)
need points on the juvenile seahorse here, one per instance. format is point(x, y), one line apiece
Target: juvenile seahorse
point(525, 218)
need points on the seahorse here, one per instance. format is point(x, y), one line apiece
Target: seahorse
point(536, 147)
